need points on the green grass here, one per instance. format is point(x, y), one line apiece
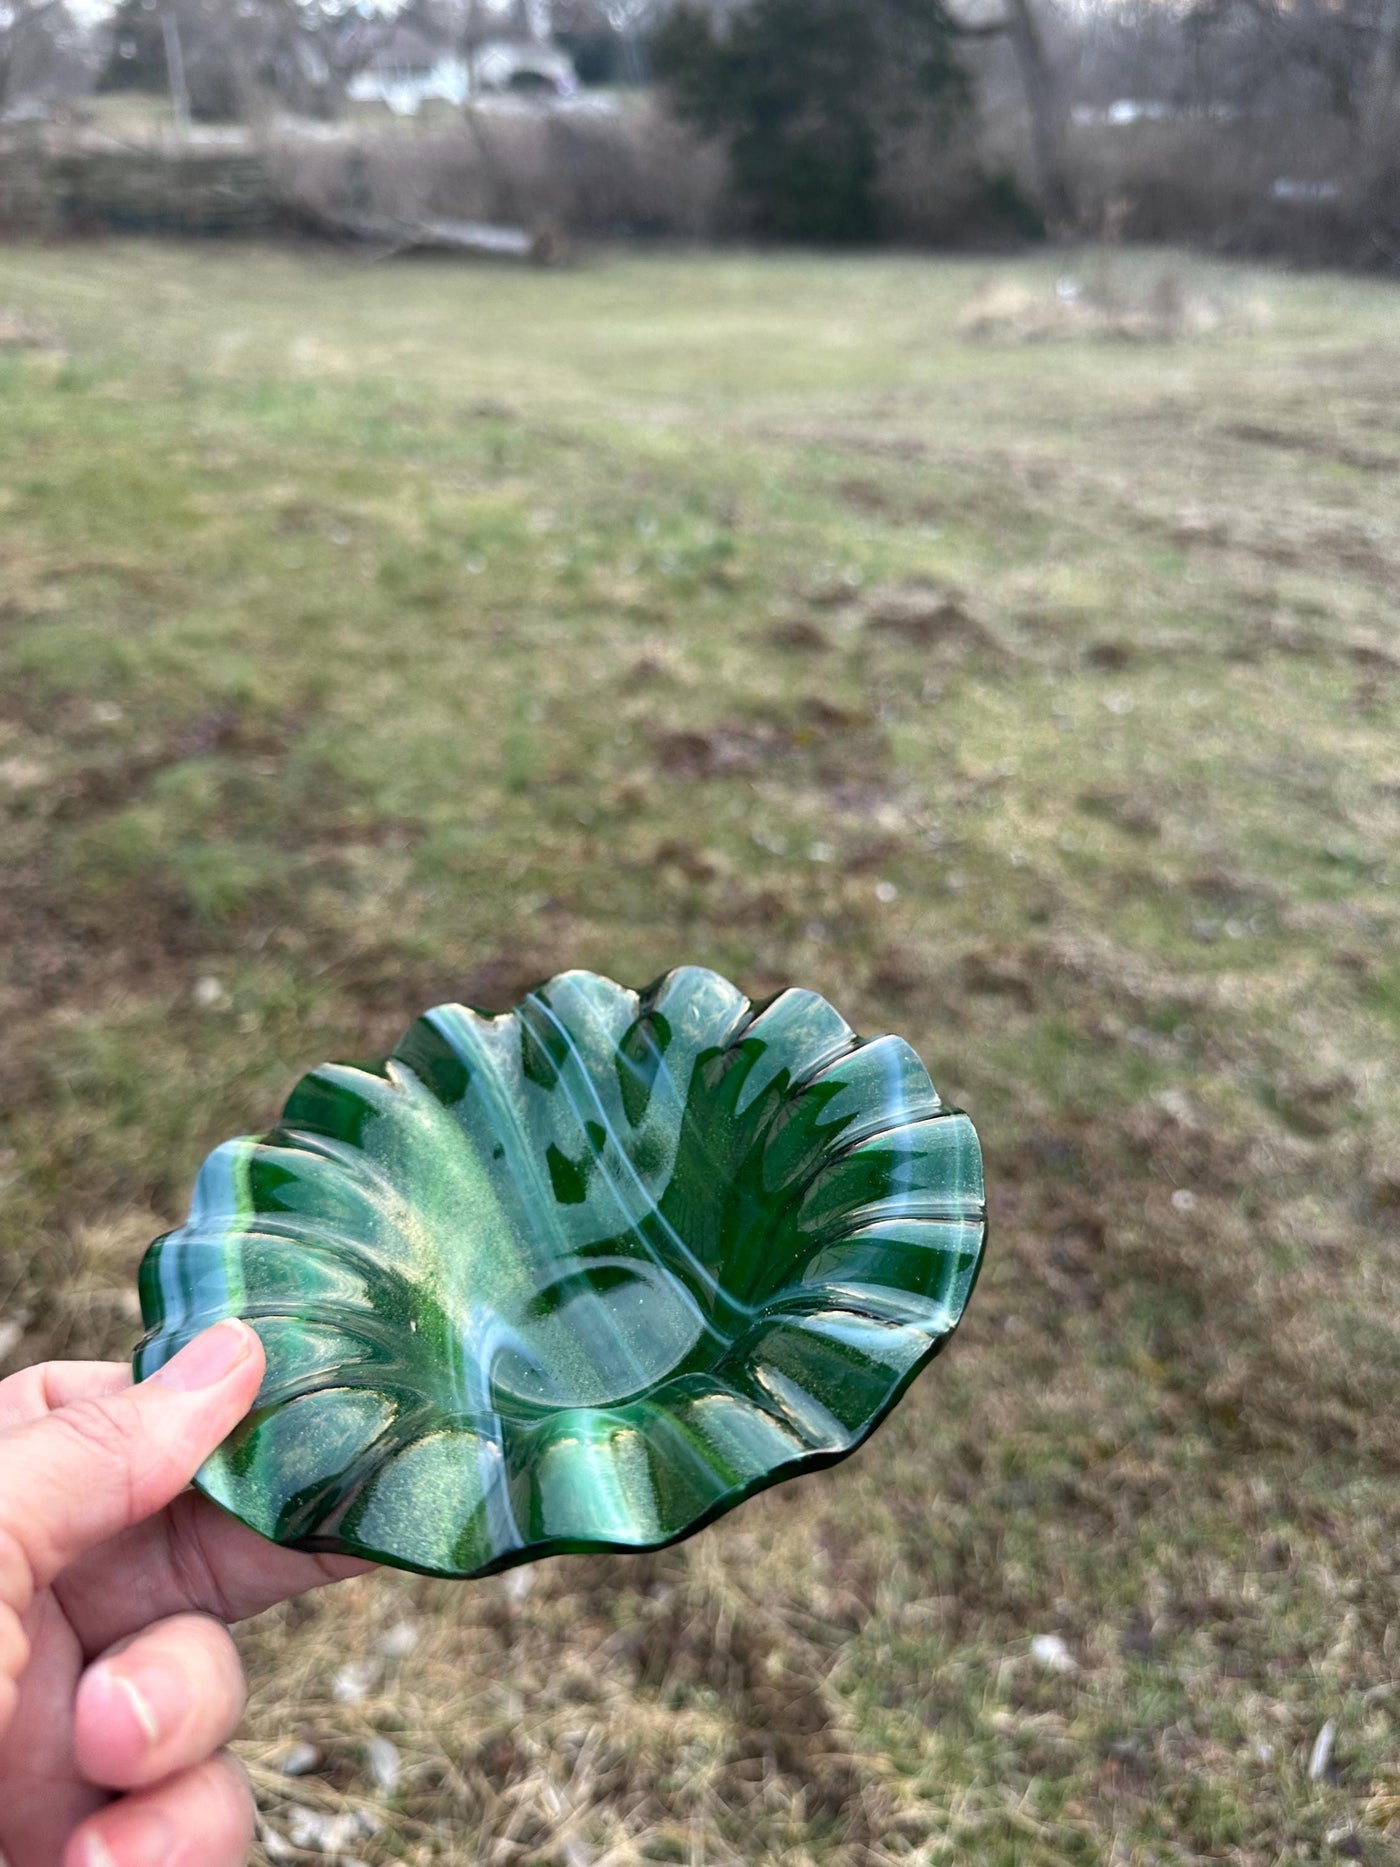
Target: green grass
point(371, 636)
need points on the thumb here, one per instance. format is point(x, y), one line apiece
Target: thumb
point(89, 1470)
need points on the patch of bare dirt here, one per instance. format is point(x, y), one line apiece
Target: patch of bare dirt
point(1140, 1213)
point(1001, 975)
point(1126, 810)
point(1371, 657)
point(18, 332)
point(721, 751)
point(824, 715)
point(1111, 654)
point(659, 664)
point(1104, 979)
point(879, 443)
point(1232, 893)
point(385, 979)
point(744, 906)
point(800, 635)
point(867, 497)
point(1195, 528)
point(1310, 442)
point(833, 592)
point(681, 858)
point(827, 744)
point(107, 786)
point(1351, 547)
point(898, 974)
point(927, 616)
point(57, 948)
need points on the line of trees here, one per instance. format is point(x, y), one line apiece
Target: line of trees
point(302, 53)
point(811, 94)
point(826, 107)
point(1270, 56)
point(42, 51)
point(1265, 58)
point(218, 57)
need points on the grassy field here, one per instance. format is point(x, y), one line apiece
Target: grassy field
point(371, 636)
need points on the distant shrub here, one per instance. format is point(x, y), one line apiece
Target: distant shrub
point(1296, 187)
point(600, 56)
point(137, 62)
point(806, 96)
point(582, 173)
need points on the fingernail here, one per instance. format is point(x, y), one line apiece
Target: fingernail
point(149, 1842)
point(154, 1697)
point(205, 1361)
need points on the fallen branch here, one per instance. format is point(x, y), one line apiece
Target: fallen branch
point(480, 239)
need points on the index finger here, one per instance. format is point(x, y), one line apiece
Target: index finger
point(40, 1389)
point(192, 1556)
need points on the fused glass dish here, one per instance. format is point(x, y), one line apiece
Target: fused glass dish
point(579, 1276)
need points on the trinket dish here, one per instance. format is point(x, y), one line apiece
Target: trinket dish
point(578, 1276)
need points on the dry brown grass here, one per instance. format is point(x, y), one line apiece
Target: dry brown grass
point(21, 333)
point(1159, 308)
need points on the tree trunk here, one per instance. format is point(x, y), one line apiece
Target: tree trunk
point(1046, 114)
point(1379, 100)
point(175, 71)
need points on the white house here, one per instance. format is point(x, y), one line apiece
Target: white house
point(407, 70)
point(523, 66)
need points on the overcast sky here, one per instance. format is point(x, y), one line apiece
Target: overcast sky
point(99, 9)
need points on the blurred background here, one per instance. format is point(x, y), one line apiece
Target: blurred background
point(893, 497)
point(1252, 126)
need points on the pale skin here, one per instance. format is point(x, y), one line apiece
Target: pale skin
point(119, 1682)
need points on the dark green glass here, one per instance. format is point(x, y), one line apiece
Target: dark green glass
point(577, 1277)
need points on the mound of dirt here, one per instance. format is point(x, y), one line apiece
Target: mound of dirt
point(1162, 310)
point(20, 333)
point(927, 616)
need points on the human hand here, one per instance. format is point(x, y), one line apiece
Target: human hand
point(119, 1683)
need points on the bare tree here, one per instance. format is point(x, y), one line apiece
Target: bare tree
point(632, 20)
point(1045, 109)
point(1017, 23)
point(1245, 58)
point(32, 39)
point(175, 66)
point(1382, 78)
point(221, 59)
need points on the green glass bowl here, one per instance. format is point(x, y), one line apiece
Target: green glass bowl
point(581, 1276)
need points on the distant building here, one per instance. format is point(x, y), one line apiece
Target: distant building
point(405, 69)
point(524, 67)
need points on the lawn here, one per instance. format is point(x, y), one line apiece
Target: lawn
point(377, 635)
